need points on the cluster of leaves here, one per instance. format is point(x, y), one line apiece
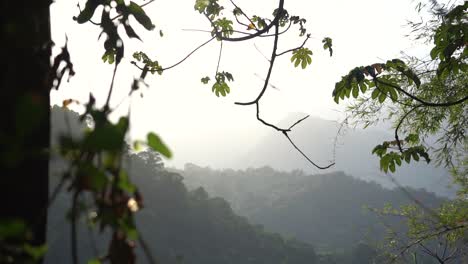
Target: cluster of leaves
point(450, 40)
point(428, 98)
point(211, 8)
point(327, 45)
point(444, 225)
point(220, 87)
point(224, 26)
point(386, 79)
point(388, 160)
point(150, 65)
point(114, 46)
point(302, 56)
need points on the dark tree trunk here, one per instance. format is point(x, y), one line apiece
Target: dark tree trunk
point(25, 111)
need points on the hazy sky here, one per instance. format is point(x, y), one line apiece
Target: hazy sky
point(195, 123)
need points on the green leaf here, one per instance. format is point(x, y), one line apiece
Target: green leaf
point(158, 145)
point(98, 179)
point(94, 261)
point(375, 93)
point(205, 80)
point(12, 228)
point(140, 15)
point(109, 56)
point(125, 183)
point(301, 56)
point(392, 166)
point(382, 97)
point(36, 252)
point(355, 91)
point(200, 5)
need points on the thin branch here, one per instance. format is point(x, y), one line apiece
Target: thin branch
point(267, 79)
point(305, 156)
point(243, 13)
point(106, 107)
point(294, 49)
point(298, 121)
point(266, 123)
point(74, 239)
point(146, 250)
point(188, 55)
point(219, 57)
point(425, 103)
point(259, 51)
point(399, 125)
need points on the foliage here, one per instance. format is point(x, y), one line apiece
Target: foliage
point(302, 56)
point(425, 99)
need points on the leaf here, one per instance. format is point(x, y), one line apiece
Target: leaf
point(36, 252)
point(205, 80)
point(200, 5)
point(327, 44)
point(155, 142)
point(355, 91)
point(382, 97)
point(94, 261)
point(301, 56)
point(12, 228)
point(125, 184)
point(130, 32)
point(87, 13)
point(140, 15)
point(109, 56)
point(375, 93)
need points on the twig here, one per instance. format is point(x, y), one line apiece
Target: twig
point(397, 139)
point(290, 50)
point(149, 256)
point(106, 107)
point(219, 57)
point(188, 55)
point(74, 239)
point(305, 156)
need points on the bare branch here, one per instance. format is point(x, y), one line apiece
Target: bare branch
point(305, 156)
point(290, 50)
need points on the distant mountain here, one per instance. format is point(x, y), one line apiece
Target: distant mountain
point(326, 210)
point(316, 137)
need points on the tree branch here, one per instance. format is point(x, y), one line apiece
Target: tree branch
point(425, 103)
point(290, 50)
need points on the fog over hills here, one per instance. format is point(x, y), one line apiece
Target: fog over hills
point(352, 152)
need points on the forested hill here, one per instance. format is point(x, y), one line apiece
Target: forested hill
point(326, 210)
point(179, 226)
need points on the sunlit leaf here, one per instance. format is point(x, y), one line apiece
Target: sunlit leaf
point(155, 142)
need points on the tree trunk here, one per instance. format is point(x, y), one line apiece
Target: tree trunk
point(25, 109)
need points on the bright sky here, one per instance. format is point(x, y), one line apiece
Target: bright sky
point(196, 124)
